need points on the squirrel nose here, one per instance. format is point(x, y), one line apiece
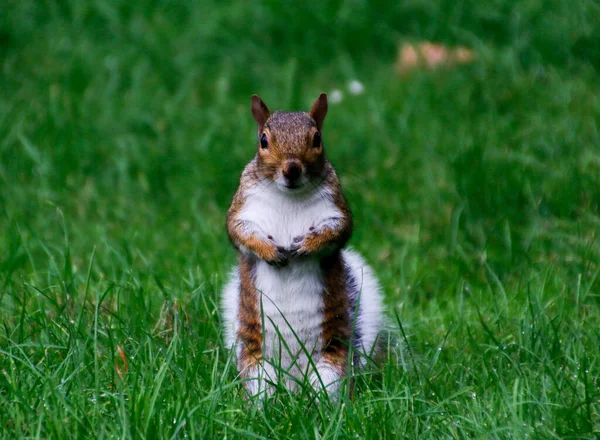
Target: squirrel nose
point(292, 171)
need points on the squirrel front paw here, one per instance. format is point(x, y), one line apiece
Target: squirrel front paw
point(308, 244)
point(281, 257)
point(296, 246)
point(278, 256)
point(302, 245)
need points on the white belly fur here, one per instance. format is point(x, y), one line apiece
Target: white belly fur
point(292, 312)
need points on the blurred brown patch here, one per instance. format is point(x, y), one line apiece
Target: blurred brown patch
point(431, 56)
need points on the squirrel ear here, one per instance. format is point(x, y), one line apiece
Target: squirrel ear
point(260, 111)
point(319, 110)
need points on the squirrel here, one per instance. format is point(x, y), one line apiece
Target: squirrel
point(297, 302)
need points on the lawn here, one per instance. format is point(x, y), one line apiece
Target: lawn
point(475, 191)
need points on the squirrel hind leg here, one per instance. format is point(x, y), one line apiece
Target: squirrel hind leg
point(367, 306)
point(230, 305)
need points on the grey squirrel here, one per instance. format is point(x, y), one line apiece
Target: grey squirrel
point(297, 300)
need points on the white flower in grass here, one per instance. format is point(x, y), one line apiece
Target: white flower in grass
point(355, 87)
point(336, 96)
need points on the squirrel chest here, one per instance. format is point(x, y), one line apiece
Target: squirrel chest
point(287, 216)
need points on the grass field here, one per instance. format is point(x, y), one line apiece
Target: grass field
point(124, 127)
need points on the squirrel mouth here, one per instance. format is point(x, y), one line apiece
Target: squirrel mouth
point(292, 186)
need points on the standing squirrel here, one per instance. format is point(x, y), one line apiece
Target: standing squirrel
point(297, 302)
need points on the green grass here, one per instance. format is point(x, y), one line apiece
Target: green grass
point(124, 127)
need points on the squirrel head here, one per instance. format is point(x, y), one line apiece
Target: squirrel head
point(290, 146)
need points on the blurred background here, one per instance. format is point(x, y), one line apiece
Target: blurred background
point(465, 134)
point(132, 120)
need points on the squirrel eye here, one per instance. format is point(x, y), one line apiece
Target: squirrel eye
point(317, 140)
point(264, 143)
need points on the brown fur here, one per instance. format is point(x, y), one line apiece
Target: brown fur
point(336, 323)
point(249, 332)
